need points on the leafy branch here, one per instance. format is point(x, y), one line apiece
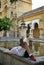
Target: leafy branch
point(5, 24)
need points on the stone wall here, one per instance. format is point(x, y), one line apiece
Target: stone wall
point(9, 59)
point(7, 42)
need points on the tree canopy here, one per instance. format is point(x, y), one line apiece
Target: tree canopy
point(5, 24)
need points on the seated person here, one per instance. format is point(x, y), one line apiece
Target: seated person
point(21, 50)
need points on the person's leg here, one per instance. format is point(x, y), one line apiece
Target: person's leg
point(12, 51)
point(26, 55)
point(28, 52)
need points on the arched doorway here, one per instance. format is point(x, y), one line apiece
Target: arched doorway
point(36, 31)
point(0, 4)
point(5, 10)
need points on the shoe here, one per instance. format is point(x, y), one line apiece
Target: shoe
point(32, 58)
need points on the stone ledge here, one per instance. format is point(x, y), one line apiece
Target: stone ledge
point(4, 57)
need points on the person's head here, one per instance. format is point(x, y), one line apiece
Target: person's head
point(21, 41)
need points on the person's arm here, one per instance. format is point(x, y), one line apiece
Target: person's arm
point(26, 47)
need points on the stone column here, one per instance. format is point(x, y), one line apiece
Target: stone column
point(41, 28)
point(7, 33)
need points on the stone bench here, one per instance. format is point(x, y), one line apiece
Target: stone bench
point(9, 59)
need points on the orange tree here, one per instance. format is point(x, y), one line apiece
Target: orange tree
point(5, 24)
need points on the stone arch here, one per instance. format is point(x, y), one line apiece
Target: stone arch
point(35, 25)
point(36, 31)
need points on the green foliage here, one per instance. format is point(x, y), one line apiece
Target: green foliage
point(5, 24)
point(13, 1)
